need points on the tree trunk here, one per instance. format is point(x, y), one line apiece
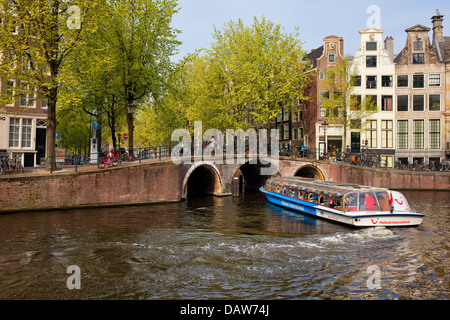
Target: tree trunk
point(51, 133)
point(130, 135)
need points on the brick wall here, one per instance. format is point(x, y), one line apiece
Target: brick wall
point(134, 184)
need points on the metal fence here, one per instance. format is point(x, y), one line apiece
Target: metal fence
point(113, 157)
point(117, 157)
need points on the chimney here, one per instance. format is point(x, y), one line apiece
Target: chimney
point(437, 26)
point(389, 46)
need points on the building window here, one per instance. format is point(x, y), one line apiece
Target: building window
point(355, 102)
point(371, 61)
point(294, 134)
point(323, 112)
point(418, 45)
point(44, 104)
point(321, 75)
point(402, 80)
point(27, 99)
point(402, 134)
point(418, 134)
point(10, 92)
point(418, 81)
point(418, 58)
point(387, 133)
point(434, 133)
point(386, 103)
point(331, 58)
point(286, 131)
point(434, 102)
point(434, 80)
point(14, 130)
point(285, 114)
point(402, 103)
point(355, 123)
point(372, 100)
point(324, 94)
point(418, 102)
point(371, 82)
point(386, 81)
point(371, 134)
point(372, 45)
point(356, 81)
point(26, 133)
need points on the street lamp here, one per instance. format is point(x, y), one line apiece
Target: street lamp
point(131, 107)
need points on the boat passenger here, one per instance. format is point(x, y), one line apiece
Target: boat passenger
point(369, 201)
point(350, 202)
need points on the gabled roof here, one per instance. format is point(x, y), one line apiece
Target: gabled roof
point(314, 55)
point(418, 28)
point(371, 30)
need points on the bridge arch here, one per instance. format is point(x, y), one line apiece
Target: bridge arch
point(249, 176)
point(310, 171)
point(202, 178)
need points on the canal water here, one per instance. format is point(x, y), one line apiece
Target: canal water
point(222, 248)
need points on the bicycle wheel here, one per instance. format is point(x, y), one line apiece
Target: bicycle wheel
point(19, 167)
point(102, 163)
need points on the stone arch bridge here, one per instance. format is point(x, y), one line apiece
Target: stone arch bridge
point(154, 181)
point(218, 179)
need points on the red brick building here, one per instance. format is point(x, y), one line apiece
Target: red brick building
point(326, 56)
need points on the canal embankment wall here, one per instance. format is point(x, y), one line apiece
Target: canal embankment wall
point(140, 184)
point(391, 178)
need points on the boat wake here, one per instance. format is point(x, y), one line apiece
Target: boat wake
point(359, 235)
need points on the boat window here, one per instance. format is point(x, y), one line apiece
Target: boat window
point(303, 195)
point(313, 197)
point(324, 200)
point(336, 203)
point(367, 201)
point(383, 200)
point(292, 192)
point(351, 201)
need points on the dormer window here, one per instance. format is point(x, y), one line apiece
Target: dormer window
point(331, 58)
point(418, 58)
point(372, 45)
point(371, 61)
point(418, 45)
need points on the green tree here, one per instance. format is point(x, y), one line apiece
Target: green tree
point(340, 103)
point(259, 68)
point(45, 32)
point(139, 41)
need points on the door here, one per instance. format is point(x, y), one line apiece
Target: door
point(40, 144)
point(355, 142)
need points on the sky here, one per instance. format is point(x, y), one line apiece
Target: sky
point(316, 19)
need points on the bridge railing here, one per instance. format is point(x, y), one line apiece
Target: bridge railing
point(160, 152)
point(101, 159)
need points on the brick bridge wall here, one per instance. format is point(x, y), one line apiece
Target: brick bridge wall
point(156, 182)
point(165, 181)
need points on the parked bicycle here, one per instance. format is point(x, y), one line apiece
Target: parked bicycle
point(10, 164)
point(109, 160)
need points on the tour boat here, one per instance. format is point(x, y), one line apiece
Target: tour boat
point(361, 206)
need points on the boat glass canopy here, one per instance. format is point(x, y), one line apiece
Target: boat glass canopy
point(348, 197)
